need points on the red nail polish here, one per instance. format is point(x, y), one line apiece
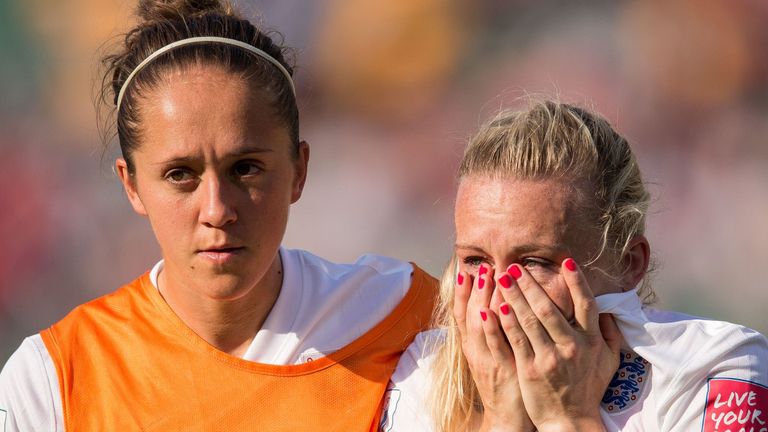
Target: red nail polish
point(505, 281)
point(483, 315)
point(505, 309)
point(514, 271)
point(483, 270)
point(480, 283)
point(570, 264)
point(460, 279)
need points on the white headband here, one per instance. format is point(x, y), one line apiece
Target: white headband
point(204, 39)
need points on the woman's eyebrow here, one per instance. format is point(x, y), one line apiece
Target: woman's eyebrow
point(176, 160)
point(237, 153)
point(538, 247)
point(250, 150)
point(469, 247)
point(520, 249)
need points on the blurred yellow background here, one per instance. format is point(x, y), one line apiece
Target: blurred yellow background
point(389, 90)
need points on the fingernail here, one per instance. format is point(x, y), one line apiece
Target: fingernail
point(483, 315)
point(514, 271)
point(460, 279)
point(505, 309)
point(570, 264)
point(480, 283)
point(505, 281)
point(483, 270)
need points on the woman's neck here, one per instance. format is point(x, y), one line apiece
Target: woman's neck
point(228, 325)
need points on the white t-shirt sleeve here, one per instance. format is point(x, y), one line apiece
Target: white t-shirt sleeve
point(406, 407)
point(722, 385)
point(29, 390)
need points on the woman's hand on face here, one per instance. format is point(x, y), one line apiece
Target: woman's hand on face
point(475, 299)
point(563, 368)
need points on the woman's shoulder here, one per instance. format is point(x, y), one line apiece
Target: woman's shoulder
point(708, 346)
point(117, 306)
point(335, 304)
point(700, 364)
point(29, 389)
point(374, 275)
point(716, 336)
point(25, 364)
point(375, 265)
point(129, 310)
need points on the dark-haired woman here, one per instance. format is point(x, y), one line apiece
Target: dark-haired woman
point(229, 331)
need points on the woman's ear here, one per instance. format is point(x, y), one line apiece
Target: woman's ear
point(129, 183)
point(636, 261)
point(300, 169)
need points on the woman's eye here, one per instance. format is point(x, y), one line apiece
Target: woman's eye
point(473, 261)
point(536, 263)
point(246, 168)
point(178, 175)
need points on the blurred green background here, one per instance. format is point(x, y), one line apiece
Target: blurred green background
point(389, 91)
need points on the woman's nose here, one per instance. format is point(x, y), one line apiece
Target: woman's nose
point(218, 203)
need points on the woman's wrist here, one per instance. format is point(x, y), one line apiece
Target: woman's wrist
point(519, 423)
point(574, 425)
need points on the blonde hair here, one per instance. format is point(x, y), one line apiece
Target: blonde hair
point(547, 140)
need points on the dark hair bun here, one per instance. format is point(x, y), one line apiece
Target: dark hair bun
point(160, 10)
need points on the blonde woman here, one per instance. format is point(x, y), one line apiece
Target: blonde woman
point(550, 211)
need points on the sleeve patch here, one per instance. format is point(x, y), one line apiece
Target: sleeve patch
point(735, 405)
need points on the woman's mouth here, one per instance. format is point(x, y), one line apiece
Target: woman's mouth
point(220, 255)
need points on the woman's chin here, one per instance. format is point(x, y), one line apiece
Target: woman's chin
point(220, 284)
point(227, 291)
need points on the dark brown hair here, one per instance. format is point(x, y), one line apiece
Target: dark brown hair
point(166, 21)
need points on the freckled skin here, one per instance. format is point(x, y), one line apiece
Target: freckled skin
point(535, 223)
point(215, 167)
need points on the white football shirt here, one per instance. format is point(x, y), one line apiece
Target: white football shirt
point(677, 373)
